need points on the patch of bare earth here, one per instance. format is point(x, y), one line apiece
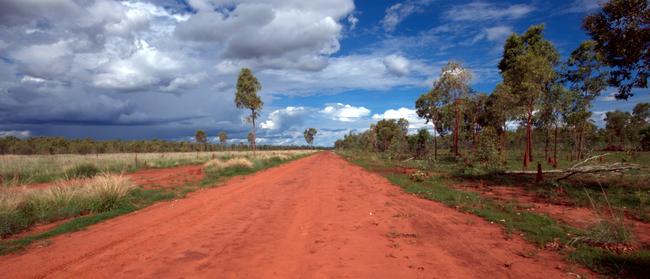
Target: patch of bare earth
point(167, 177)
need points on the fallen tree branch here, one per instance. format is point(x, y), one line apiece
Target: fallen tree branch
point(534, 172)
point(615, 167)
point(577, 169)
point(589, 159)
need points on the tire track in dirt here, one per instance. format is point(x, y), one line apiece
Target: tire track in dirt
point(317, 217)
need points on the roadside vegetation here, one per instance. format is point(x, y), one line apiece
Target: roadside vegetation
point(84, 202)
point(534, 136)
point(16, 170)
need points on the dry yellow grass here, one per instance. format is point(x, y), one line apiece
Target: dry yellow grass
point(218, 164)
point(66, 192)
point(16, 170)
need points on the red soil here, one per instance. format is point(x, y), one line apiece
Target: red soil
point(314, 217)
point(167, 177)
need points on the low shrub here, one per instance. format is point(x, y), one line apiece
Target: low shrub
point(20, 209)
point(217, 164)
point(82, 171)
point(604, 233)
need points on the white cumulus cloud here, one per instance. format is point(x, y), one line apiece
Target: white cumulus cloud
point(284, 118)
point(345, 112)
point(409, 114)
point(397, 64)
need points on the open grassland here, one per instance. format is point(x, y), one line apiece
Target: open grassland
point(18, 170)
point(90, 200)
point(607, 246)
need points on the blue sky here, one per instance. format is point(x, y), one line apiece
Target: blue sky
point(163, 69)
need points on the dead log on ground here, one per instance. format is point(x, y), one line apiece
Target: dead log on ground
point(580, 168)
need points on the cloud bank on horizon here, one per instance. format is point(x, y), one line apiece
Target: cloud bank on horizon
point(163, 69)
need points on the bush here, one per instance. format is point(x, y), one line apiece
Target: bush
point(217, 164)
point(20, 209)
point(398, 149)
point(606, 232)
point(487, 152)
point(82, 171)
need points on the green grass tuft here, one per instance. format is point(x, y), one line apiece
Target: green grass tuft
point(83, 171)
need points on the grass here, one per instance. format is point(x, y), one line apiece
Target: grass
point(634, 265)
point(629, 193)
point(136, 199)
point(22, 209)
point(128, 201)
point(219, 164)
point(540, 229)
point(606, 232)
point(83, 171)
point(16, 170)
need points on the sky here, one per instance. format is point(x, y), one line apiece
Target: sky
point(163, 69)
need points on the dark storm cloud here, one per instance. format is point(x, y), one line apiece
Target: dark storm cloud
point(130, 69)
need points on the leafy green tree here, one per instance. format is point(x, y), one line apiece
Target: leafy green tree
point(559, 103)
point(309, 135)
point(246, 97)
point(223, 138)
point(201, 137)
point(622, 36)
point(638, 123)
point(527, 68)
point(500, 108)
point(453, 84)
point(645, 139)
point(475, 114)
point(487, 152)
point(641, 114)
point(616, 123)
point(585, 75)
point(420, 143)
point(429, 106)
point(387, 132)
point(403, 125)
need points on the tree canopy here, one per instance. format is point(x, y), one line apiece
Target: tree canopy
point(309, 135)
point(621, 31)
point(246, 97)
point(223, 137)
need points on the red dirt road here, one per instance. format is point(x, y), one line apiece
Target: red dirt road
point(317, 217)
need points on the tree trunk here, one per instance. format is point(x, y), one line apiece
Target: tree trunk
point(475, 137)
point(504, 146)
point(581, 139)
point(528, 157)
point(555, 148)
point(530, 132)
point(456, 127)
point(435, 143)
point(548, 159)
point(254, 135)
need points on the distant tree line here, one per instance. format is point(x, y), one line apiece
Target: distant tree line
point(60, 145)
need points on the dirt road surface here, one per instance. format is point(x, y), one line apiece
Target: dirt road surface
point(317, 217)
